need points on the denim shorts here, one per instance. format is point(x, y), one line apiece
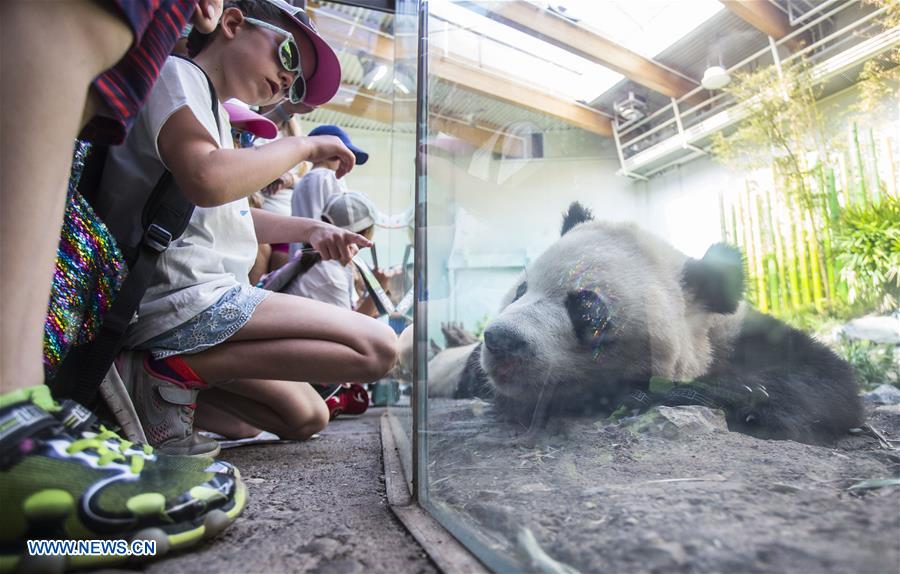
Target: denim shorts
point(213, 326)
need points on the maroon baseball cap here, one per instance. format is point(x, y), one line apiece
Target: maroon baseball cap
point(324, 83)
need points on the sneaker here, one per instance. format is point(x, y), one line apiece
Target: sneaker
point(56, 486)
point(80, 422)
point(165, 408)
point(351, 400)
point(327, 391)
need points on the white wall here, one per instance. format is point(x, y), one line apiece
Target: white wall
point(490, 217)
point(682, 205)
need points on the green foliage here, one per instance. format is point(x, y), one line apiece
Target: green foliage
point(874, 364)
point(867, 243)
point(820, 240)
point(880, 77)
point(783, 126)
point(879, 82)
point(480, 326)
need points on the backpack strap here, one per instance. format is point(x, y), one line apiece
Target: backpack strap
point(166, 216)
point(383, 303)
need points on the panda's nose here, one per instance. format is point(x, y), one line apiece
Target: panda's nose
point(503, 341)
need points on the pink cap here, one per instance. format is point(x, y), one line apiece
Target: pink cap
point(242, 117)
point(324, 83)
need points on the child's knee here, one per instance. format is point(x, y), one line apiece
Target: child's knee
point(305, 421)
point(383, 353)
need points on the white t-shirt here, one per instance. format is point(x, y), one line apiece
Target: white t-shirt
point(311, 193)
point(219, 246)
point(326, 281)
point(279, 202)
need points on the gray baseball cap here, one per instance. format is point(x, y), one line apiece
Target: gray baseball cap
point(351, 210)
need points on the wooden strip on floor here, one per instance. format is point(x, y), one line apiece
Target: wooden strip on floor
point(446, 552)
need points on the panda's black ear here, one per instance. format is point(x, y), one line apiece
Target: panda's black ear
point(717, 280)
point(576, 214)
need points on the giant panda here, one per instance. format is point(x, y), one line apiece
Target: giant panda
point(608, 308)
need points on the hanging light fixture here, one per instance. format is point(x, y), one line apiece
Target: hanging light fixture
point(715, 78)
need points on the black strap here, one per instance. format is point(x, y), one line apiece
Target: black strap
point(166, 216)
point(383, 303)
point(298, 265)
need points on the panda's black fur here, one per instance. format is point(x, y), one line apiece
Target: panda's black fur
point(595, 339)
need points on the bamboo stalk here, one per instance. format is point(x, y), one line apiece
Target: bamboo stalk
point(844, 161)
point(723, 222)
point(774, 223)
point(814, 268)
point(861, 182)
point(753, 291)
point(800, 246)
point(736, 236)
point(759, 255)
point(876, 190)
point(790, 251)
point(892, 168)
point(766, 250)
point(834, 206)
point(772, 281)
point(826, 187)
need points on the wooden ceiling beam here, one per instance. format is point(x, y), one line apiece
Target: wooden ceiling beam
point(503, 88)
point(478, 136)
point(555, 29)
point(767, 18)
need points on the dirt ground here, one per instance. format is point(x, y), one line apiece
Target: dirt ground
point(317, 506)
point(606, 498)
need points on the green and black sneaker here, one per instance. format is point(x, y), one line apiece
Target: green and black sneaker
point(65, 479)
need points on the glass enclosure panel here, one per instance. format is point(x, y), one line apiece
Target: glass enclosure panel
point(668, 378)
point(376, 106)
point(403, 193)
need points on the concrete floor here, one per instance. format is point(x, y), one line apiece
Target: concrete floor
point(317, 506)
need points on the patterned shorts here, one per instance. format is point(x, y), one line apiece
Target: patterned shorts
point(213, 326)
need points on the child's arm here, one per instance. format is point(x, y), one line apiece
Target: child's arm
point(211, 176)
point(206, 16)
point(332, 242)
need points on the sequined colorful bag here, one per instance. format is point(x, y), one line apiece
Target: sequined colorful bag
point(89, 272)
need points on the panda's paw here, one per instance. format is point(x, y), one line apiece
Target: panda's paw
point(758, 395)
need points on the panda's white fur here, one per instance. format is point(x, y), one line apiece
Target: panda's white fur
point(608, 306)
point(446, 369)
point(657, 326)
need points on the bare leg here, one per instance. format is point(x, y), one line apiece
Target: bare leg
point(212, 418)
point(289, 409)
point(42, 109)
point(296, 339)
point(261, 265)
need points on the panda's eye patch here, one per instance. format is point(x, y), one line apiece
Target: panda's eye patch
point(589, 315)
point(523, 287)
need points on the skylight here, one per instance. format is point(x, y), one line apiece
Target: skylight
point(461, 33)
point(647, 27)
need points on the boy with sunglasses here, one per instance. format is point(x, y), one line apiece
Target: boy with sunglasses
point(201, 325)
